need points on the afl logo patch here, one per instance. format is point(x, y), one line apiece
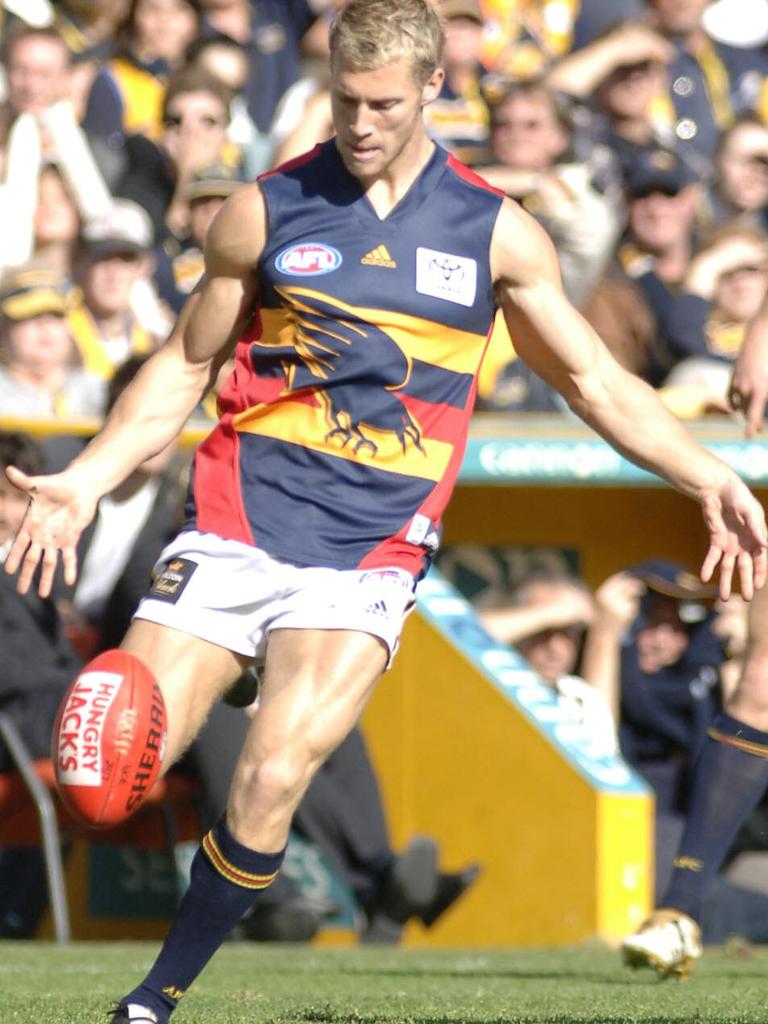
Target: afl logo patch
point(308, 259)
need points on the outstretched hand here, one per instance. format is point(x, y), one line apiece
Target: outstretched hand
point(57, 514)
point(737, 539)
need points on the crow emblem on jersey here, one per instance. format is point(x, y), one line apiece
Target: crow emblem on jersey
point(334, 353)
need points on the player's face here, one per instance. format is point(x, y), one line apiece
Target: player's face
point(378, 116)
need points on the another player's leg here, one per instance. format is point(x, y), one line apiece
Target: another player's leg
point(315, 686)
point(730, 777)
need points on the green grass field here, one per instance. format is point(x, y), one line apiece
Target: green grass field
point(257, 984)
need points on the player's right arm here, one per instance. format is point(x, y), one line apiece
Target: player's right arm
point(748, 392)
point(153, 409)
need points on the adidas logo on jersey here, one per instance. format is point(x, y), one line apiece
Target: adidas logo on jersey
point(378, 257)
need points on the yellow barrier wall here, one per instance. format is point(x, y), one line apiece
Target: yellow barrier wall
point(458, 760)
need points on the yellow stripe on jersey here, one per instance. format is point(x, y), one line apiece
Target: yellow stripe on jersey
point(431, 342)
point(311, 427)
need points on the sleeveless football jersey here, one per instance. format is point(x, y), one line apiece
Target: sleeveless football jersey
point(344, 423)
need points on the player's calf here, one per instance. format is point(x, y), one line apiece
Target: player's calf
point(109, 739)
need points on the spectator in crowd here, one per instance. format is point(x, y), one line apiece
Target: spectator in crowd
point(711, 83)
point(88, 27)
point(725, 286)
point(39, 375)
point(459, 118)
point(631, 304)
point(29, 696)
point(740, 188)
point(195, 121)
point(56, 221)
point(524, 38)
point(659, 642)
point(180, 262)
point(126, 97)
point(619, 77)
point(271, 31)
point(227, 60)
point(530, 140)
point(546, 617)
point(113, 260)
point(38, 119)
point(117, 552)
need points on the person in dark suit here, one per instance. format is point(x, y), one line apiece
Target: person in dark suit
point(30, 687)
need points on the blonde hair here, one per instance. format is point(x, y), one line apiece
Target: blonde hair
point(370, 34)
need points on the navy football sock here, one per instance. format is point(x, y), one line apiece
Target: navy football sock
point(730, 777)
point(224, 880)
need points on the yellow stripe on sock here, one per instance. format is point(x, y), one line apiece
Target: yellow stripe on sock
point(228, 870)
point(749, 746)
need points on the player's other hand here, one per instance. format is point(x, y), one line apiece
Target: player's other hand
point(738, 542)
point(57, 513)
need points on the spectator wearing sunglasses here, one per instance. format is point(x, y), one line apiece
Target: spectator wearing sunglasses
point(632, 304)
point(195, 118)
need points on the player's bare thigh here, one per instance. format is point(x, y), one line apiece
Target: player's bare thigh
point(316, 685)
point(750, 699)
point(192, 674)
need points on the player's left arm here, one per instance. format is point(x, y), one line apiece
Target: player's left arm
point(748, 391)
point(558, 344)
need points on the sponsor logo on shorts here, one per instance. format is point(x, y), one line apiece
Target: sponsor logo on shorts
point(82, 726)
point(308, 259)
point(170, 584)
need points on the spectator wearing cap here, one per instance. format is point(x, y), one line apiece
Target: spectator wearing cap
point(536, 161)
point(631, 305)
point(657, 647)
point(740, 187)
point(652, 652)
point(180, 262)
point(39, 376)
point(459, 118)
point(114, 256)
point(725, 286)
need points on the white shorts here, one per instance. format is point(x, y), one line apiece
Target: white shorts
point(233, 594)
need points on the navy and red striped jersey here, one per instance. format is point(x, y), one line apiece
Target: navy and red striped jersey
point(344, 422)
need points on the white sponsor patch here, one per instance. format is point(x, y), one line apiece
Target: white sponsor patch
point(422, 531)
point(444, 276)
point(82, 728)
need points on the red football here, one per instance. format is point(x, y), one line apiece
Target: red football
point(109, 739)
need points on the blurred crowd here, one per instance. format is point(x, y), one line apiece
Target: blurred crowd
point(634, 131)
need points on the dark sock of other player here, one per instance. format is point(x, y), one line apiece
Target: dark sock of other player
point(224, 879)
point(730, 777)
